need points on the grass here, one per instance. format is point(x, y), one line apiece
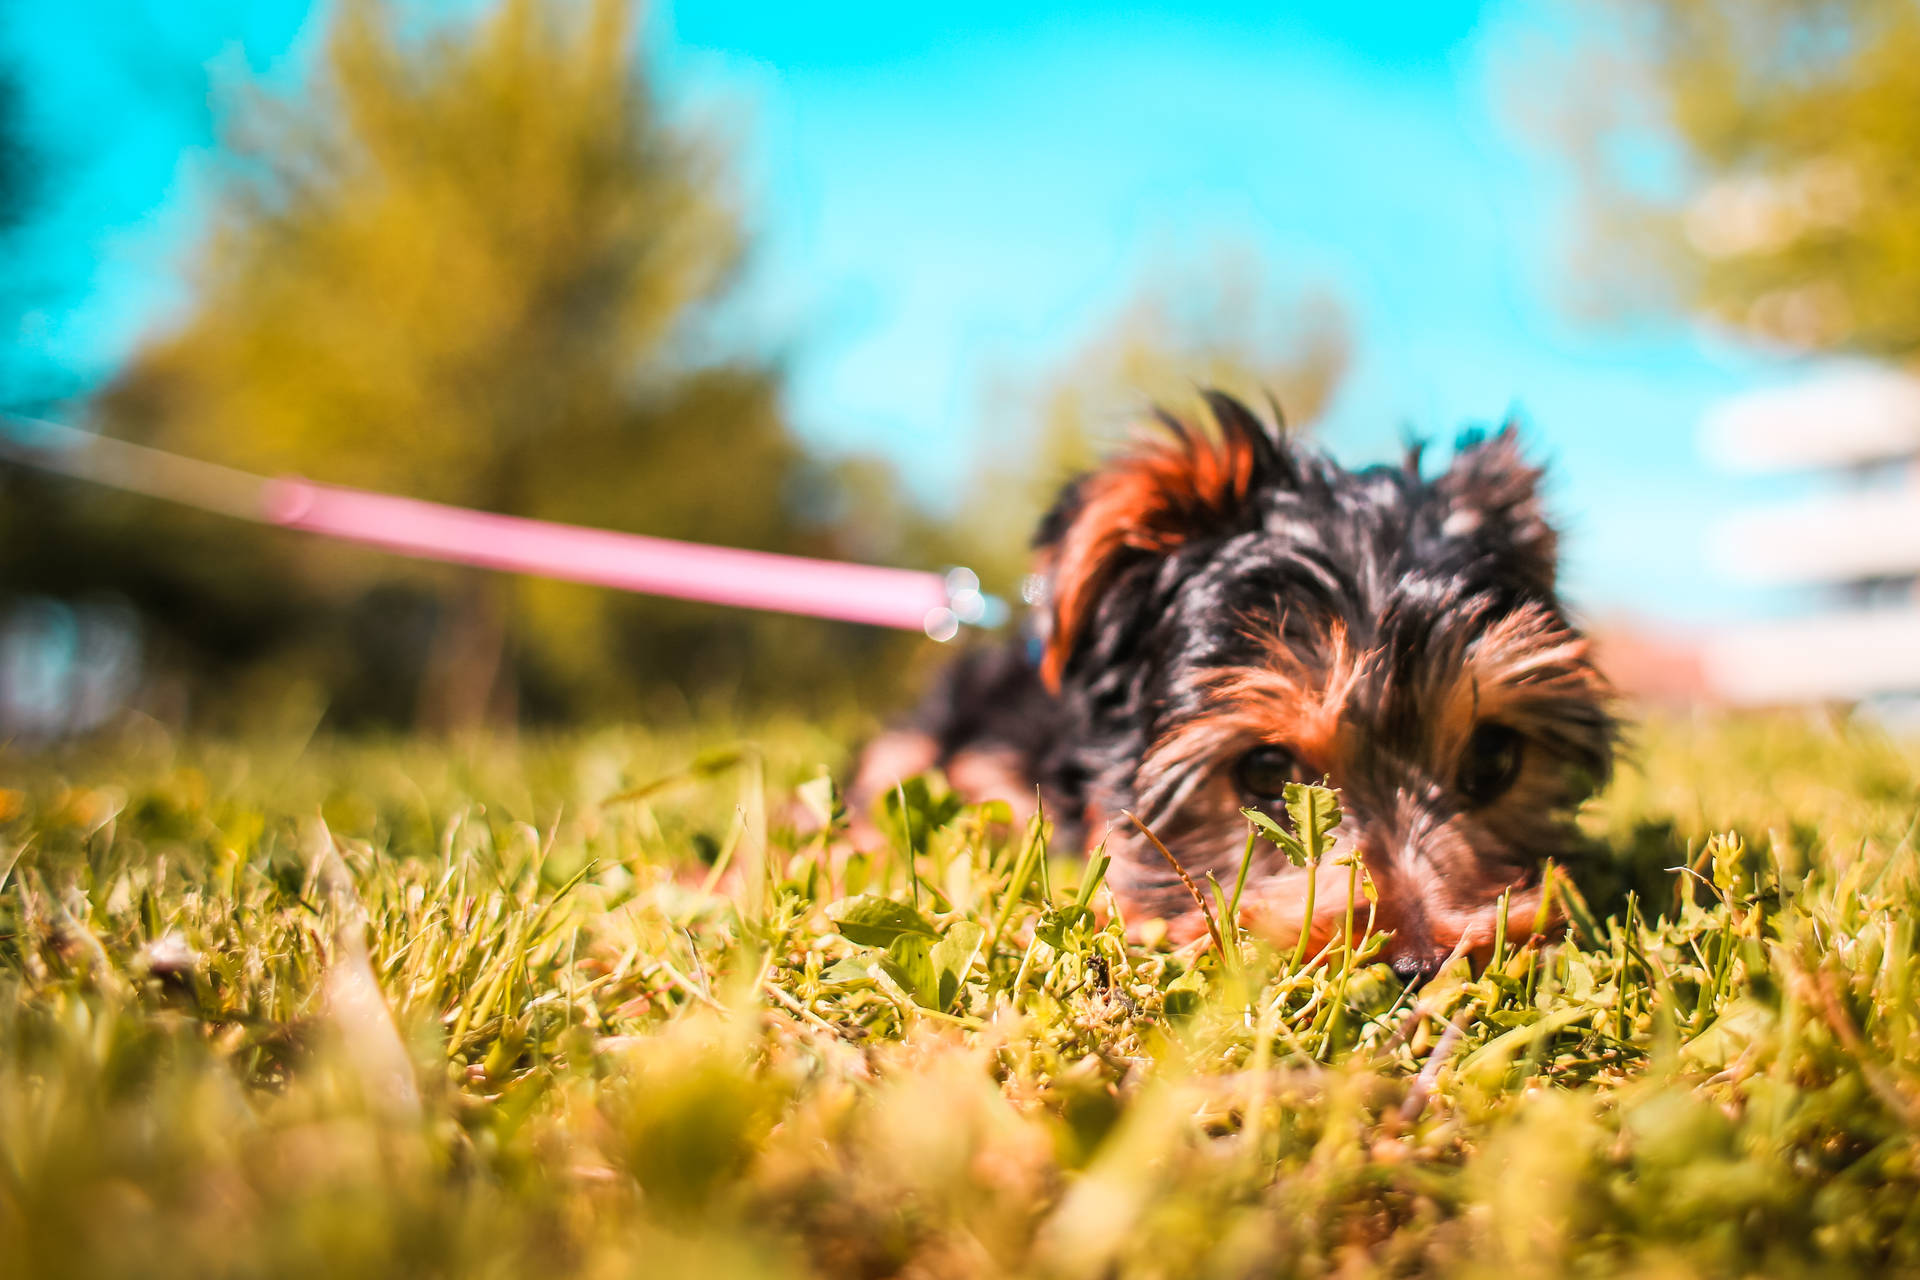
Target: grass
point(579, 1007)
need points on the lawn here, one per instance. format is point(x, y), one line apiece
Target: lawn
point(605, 1004)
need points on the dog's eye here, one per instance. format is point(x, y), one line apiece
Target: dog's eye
point(1492, 763)
point(1264, 772)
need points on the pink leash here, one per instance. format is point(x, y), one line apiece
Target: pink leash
point(905, 598)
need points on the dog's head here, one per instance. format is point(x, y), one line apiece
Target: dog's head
point(1227, 612)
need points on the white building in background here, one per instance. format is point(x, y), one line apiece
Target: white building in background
point(1851, 552)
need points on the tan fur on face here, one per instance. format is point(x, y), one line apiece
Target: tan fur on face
point(1517, 669)
point(1439, 863)
point(1285, 703)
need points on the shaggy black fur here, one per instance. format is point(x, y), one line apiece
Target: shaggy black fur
point(1215, 594)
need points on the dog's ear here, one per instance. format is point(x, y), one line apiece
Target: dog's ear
point(1493, 496)
point(1146, 504)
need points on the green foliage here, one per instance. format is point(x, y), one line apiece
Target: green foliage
point(1789, 211)
point(470, 260)
point(912, 812)
point(444, 263)
point(873, 921)
point(312, 1008)
point(1314, 812)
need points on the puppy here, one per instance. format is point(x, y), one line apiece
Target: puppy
point(1221, 612)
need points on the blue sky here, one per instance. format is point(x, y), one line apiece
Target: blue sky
point(947, 202)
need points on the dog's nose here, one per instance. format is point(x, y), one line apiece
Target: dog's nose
point(1416, 969)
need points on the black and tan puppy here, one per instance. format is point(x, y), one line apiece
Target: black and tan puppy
point(1225, 612)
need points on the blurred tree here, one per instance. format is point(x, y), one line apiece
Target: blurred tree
point(1759, 160)
point(1224, 324)
point(466, 264)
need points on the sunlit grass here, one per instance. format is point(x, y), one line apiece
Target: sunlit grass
point(614, 1004)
